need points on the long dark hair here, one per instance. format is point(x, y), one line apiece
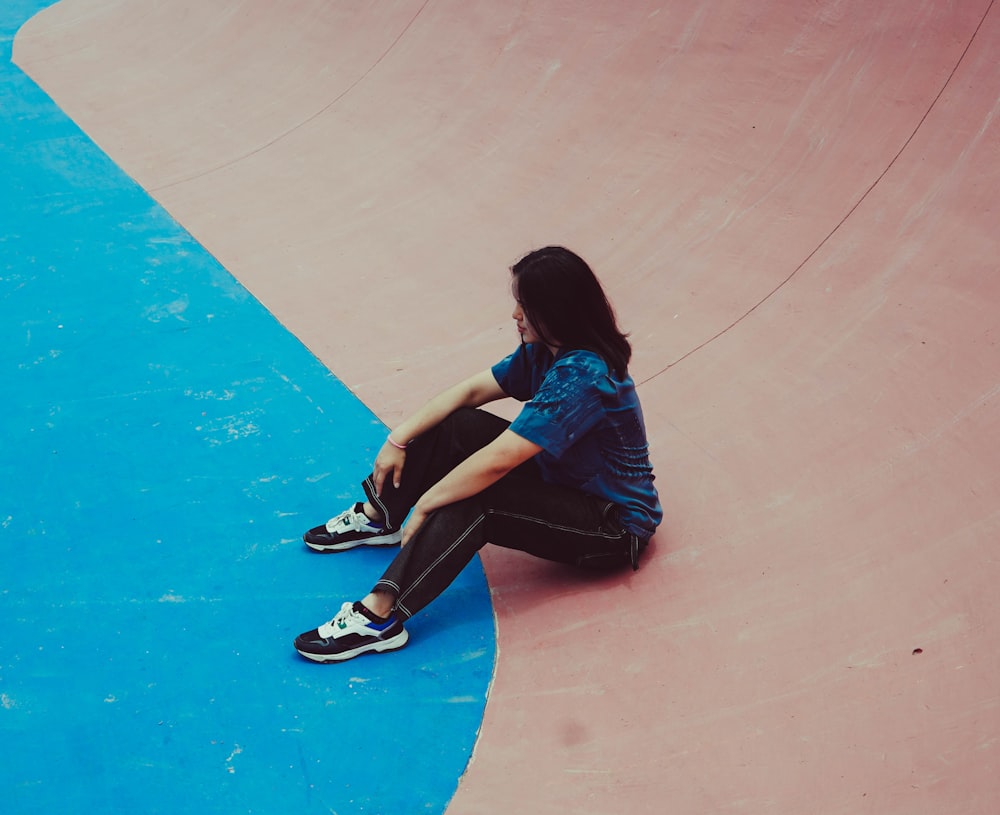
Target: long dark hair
point(566, 304)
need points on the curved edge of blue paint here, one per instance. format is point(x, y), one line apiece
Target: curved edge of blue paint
point(14, 14)
point(171, 440)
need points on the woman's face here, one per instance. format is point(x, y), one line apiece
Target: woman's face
point(524, 327)
point(529, 330)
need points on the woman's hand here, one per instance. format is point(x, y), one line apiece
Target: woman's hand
point(417, 516)
point(475, 391)
point(388, 464)
point(483, 468)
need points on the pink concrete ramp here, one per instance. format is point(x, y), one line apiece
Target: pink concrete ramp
point(795, 208)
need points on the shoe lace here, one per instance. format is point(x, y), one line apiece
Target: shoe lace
point(347, 615)
point(343, 618)
point(349, 521)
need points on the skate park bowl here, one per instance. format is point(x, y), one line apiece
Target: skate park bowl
point(243, 239)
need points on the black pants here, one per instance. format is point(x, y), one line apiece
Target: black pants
point(520, 511)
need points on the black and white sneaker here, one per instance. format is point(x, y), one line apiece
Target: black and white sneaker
point(354, 631)
point(349, 529)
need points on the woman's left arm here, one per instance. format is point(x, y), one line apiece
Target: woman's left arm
point(472, 476)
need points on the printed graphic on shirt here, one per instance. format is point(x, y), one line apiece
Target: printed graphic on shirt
point(589, 426)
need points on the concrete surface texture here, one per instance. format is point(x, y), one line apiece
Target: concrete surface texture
point(794, 208)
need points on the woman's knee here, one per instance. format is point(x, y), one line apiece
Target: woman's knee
point(473, 425)
point(471, 417)
point(462, 522)
point(461, 418)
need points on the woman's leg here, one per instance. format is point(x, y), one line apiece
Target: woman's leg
point(519, 512)
point(430, 457)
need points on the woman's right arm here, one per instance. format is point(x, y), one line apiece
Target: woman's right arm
point(475, 391)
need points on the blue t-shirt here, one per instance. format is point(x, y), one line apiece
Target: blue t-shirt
point(590, 428)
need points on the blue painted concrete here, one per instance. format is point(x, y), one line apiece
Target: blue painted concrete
point(165, 441)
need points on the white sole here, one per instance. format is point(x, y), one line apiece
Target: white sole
point(391, 539)
point(391, 644)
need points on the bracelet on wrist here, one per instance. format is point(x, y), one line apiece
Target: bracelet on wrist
point(395, 444)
